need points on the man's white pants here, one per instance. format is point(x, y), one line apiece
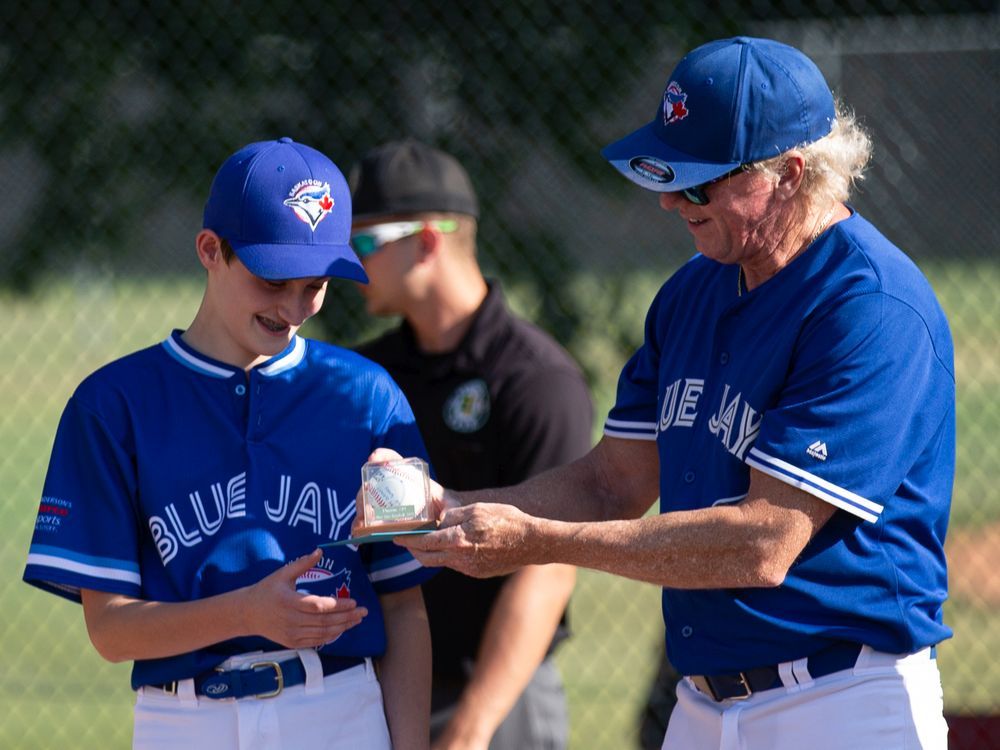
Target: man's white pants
point(340, 712)
point(885, 701)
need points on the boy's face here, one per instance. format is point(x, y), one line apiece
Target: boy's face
point(255, 318)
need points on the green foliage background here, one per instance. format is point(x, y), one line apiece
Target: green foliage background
point(114, 116)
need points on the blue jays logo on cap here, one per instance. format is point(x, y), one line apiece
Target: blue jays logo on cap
point(674, 100)
point(750, 100)
point(311, 201)
point(279, 232)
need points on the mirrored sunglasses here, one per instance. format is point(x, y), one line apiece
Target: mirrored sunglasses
point(370, 239)
point(697, 194)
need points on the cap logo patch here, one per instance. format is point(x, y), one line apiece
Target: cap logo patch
point(311, 201)
point(652, 169)
point(674, 101)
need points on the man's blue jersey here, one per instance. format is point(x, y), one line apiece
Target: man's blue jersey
point(836, 376)
point(175, 477)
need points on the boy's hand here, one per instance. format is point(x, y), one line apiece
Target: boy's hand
point(275, 610)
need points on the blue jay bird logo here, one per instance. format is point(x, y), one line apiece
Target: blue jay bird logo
point(674, 100)
point(311, 201)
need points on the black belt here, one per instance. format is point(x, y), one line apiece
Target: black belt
point(741, 685)
point(261, 679)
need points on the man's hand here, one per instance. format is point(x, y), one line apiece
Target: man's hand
point(275, 610)
point(481, 540)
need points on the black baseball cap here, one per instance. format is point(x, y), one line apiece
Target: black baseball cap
point(409, 177)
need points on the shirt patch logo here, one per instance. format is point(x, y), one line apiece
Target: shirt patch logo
point(817, 450)
point(674, 103)
point(468, 408)
point(339, 581)
point(311, 201)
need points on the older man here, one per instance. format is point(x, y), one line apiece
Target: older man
point(792, 406)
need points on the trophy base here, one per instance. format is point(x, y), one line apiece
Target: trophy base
point(396, 526)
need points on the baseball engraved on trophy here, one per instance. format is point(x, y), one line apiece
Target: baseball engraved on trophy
point(396, 496)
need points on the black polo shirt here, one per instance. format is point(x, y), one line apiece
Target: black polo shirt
point(508, 403)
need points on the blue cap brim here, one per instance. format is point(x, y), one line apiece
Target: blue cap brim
point(279, 262)
point(650, 163)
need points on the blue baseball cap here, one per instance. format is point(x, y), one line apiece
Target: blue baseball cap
point(727, 103)
point(285, 209)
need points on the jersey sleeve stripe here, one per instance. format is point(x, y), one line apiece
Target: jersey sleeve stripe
point(193, 363)
point(630, 435)
point(633, 425)
point(111, 573)
point(621, 428)
point(814, 485)
point(394, 571)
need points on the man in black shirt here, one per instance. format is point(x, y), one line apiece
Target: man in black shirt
point(497, 400)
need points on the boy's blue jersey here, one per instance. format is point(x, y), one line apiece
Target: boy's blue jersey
point(836, 376)
point(175, 477)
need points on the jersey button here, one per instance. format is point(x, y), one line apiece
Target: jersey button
point(686, 631)
point(689, 476)
point(724, 358)
point(241, 389)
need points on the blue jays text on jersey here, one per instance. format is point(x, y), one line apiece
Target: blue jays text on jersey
point(176, 477)
point(835, 376)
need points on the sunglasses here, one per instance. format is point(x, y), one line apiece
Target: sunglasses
point(370, 239)
point(697, 194)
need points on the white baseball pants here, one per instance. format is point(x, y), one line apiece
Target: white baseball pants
point(340, 712)
point(885, 701)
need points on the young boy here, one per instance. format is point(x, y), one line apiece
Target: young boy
point(191, 482)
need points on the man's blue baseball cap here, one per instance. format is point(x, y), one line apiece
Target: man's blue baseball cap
point(285, 209)
point(727, 103)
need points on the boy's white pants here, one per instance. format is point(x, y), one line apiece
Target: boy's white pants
point(885, 701)
point(341, 711)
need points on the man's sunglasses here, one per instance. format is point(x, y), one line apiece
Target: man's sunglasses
point(366, 241)
point(697, 194)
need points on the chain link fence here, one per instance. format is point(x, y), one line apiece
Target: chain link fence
point(115, 115)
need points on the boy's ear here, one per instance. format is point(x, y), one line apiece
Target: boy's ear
point(209, 247)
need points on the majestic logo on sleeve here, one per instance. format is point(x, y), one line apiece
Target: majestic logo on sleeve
point(468, 408)
point(311, 201)
point(817, 450)
point(674, 103)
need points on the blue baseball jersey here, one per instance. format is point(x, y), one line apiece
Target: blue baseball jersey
point(175, 477)
point(836, 376)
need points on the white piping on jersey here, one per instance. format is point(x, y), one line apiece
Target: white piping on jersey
point(728, 500)
point(287, 362)
point(290, 360)
point(814, 485)
point(630, 430)
point(94, 571)
point(394, 571)
point(195, 363)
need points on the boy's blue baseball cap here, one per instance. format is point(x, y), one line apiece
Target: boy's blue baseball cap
point(285, 209)
point(727, 103)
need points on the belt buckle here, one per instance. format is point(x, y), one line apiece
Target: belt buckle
point(258, 665)
point(742, 682)
point(705, 684)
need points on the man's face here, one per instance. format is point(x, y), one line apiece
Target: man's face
point(256, 319)
point(388, 266)
point(738, 223)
